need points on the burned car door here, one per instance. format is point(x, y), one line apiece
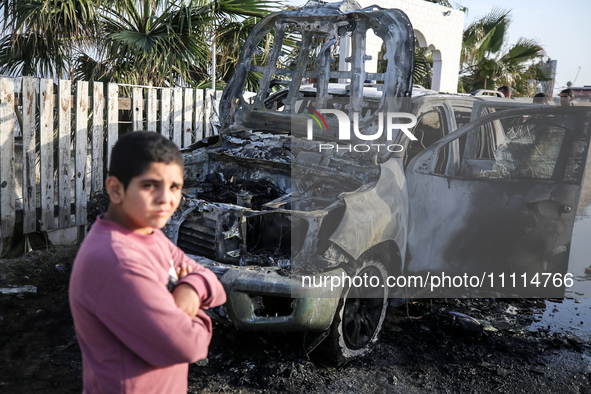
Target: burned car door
point(491, 105)
point(502, 206)
point(433, 123)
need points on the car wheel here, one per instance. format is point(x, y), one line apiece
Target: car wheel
point(359, 317)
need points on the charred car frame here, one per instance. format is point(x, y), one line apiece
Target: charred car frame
point(486, 184)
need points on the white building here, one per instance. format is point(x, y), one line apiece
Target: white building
point(436, 27)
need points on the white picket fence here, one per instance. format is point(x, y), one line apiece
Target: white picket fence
point(45, 190)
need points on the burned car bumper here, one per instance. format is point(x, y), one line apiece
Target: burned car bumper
point(261, 298)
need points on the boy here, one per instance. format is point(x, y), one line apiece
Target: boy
point(135, 335)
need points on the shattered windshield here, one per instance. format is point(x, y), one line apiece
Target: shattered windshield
point(533, 146)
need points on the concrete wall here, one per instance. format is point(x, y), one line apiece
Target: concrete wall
point(434, 28)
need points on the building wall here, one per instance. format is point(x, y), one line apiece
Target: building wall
point(435, 29)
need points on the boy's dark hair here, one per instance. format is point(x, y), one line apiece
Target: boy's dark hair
point(568, 91)
point(134, 152)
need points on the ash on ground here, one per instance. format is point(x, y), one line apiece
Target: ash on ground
point(442, 345)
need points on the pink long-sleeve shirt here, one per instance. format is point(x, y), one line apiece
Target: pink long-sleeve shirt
point(134, 339)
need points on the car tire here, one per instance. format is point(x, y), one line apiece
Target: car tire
point(358, 319)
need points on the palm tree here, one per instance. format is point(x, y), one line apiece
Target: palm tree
point(448, 4)
point(43, 36)
point(423, 66)
point(162, 42)
point(487, 62)
point(167, 42)
point(229, 39)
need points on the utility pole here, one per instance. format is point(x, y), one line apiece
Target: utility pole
point(576, 76)
point(213, 61)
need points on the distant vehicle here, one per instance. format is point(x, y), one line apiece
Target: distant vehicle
point(485, 92)
point(484, 184)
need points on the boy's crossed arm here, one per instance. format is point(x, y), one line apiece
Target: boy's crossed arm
point(185, 296)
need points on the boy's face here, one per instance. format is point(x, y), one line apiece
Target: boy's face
point(149, 200)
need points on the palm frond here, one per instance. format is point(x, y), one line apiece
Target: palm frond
point(522, 51)
point(485, 35)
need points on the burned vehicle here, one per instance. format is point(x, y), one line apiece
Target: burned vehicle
point(424, 185)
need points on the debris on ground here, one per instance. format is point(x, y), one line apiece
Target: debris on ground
point(439, 345)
